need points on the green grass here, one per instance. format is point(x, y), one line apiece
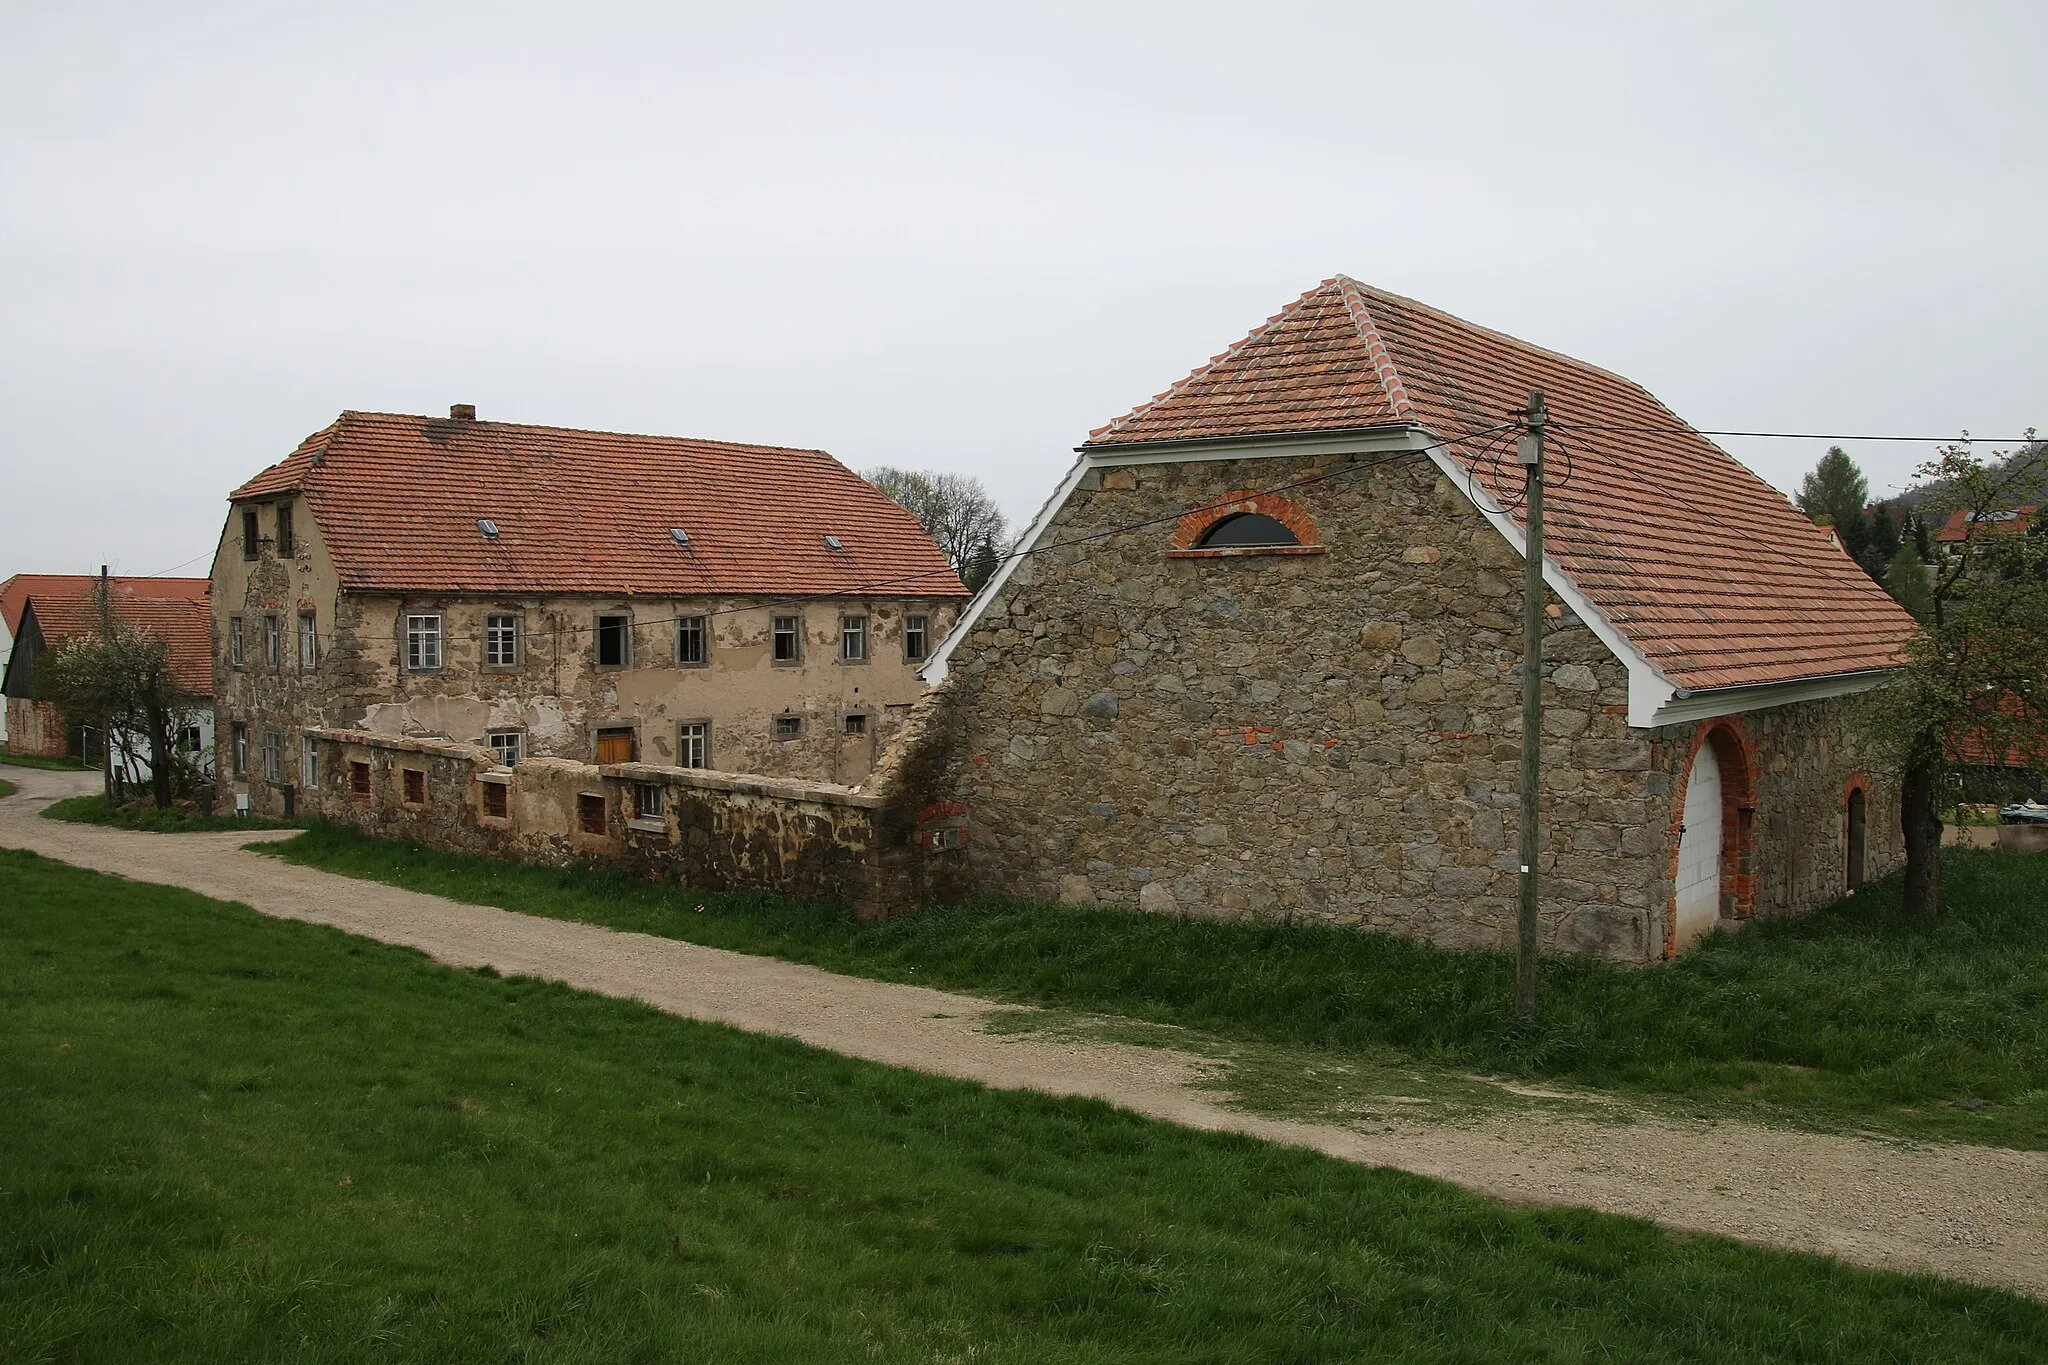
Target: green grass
point(1857, 1016)
point(68, 765)
point(226, 1137)
point(7, 788)
point(93, 810)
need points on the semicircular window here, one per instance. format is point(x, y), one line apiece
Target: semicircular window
point(1247, 530)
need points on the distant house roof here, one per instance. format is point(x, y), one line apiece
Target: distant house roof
point(1706, 569)
point(1963, 524)
point(16, 591)
point(402, 503)
point(185, 623)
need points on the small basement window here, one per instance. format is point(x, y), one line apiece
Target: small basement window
point(647, 800)
point(590, 815)
point(614, 641)
point(415, 787)
point(788, 727)
point(1247, 530)
point(358, 779)
point(497, 804)
point(856, 724)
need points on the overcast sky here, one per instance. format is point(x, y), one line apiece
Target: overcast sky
point(958, 237)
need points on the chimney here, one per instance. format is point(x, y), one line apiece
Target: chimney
point(462, 412)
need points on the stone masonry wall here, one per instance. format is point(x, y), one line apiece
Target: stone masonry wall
point(1328, 735)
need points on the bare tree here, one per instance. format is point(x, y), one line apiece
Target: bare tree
point(121, 678)
point(956, 511)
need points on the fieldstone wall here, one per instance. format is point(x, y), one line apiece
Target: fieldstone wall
point(1332, 735)
point(716, 831)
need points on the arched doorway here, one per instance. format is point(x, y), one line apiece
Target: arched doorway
point(1858, 836)
point(1700, 837)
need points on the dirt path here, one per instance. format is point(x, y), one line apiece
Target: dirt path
point(1972, 1213)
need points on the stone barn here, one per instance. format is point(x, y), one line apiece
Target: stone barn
point(1262, 658)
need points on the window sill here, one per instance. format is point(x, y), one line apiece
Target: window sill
point(648, 825)
point(1245, 551)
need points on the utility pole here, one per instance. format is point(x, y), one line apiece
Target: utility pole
point(1529, 453)
point(106, 718)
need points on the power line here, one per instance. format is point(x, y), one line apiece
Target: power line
point(1962, 438)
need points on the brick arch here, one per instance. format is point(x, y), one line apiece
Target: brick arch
point(1736, 752)
point(1190, 529)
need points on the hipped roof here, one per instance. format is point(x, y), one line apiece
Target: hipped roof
point(1706, 569)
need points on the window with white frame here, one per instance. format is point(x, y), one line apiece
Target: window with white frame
point(853, 639)
point(916, 637)
point(692, 640)
point(236, 659)
point(507, 746)
point(693, 747)
point(240, 734)
point(501, 640)
point(273, 641)
point(647, 800)
point(309, 640)
point(422, 641)
point(309, 762)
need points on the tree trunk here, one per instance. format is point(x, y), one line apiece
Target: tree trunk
point(160, 756)
point(1920, 822)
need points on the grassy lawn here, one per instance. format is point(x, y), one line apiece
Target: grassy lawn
point(93, 810)
point(226, 1137)
point(7, 788)
point(1857, 1016)
point(66, 765)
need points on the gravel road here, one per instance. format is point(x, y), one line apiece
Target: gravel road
point(1971, 1213)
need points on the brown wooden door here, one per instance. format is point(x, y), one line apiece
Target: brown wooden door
point(614, 746)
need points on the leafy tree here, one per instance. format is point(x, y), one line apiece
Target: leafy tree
point(1905, 578)
point(1974, 687)
point(121, 679)
point(1835, 491)
point(956, 511)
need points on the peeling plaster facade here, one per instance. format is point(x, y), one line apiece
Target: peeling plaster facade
point(556, 697)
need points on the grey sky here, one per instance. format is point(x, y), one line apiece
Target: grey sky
point(951, 236)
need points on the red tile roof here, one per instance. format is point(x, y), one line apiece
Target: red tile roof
point(185, 622)
point(1958, 527)
point(1703, 566)
point(16, 590)
point(397, 499)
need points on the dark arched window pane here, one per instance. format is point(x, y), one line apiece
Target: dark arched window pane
point(1247, 529)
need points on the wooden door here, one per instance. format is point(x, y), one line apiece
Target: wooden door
point(614, 746)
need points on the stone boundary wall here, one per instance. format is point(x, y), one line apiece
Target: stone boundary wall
point(715, 831)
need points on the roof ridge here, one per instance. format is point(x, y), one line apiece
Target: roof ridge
point(1227, 354)
point(1375, 346)
point(594, 431)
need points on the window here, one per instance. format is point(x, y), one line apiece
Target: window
point(359, 780)
point(853, 639)
point(309, 762)
point(235, 656)
point(1247, 530)
point(188, 739)
point(788, 727)
point(789, 639)
point(241, 749)
point(501, 641)
point(856, 724)
point(693, 749)
point(496, 804)
point(647, 800)
point(691, 640)
point(614, 641)
point(590, 813)
point(252, 534)
point(423, 642)
point(284, 528)
point(615, 745)
point(309, 640)
point(273, 641)
point(415, 787)
point(916, 637)
point(273, 756)
point(506, 745)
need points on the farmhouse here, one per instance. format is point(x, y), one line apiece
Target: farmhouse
point(43, 610)
point(540, 592)
point(1261, 656)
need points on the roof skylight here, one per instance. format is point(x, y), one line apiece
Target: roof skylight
point(680, 536)
point(488, 527)
point(832, 543)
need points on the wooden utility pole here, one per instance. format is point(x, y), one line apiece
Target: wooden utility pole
point(1529, 452)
